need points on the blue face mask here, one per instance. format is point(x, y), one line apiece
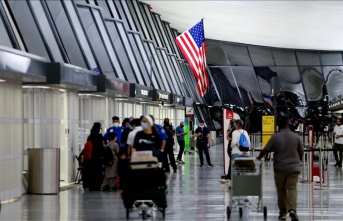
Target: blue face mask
point(115, 124)
point(144, 125)
point(131, 127)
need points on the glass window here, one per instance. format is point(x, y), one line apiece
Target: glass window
point(237, 54)
point(95, 40)
point(172, 81)
point(163, 71)
point(152, 25)
point(139, 52)
point(121, 12)
point(308, 58)
point(313, 80)
point(66, 34)
point(159, 29)
point(291, 82)
point(331, 58)
point(232, 87)
point(128, 15)
point(4, 36)
point(109, 47)
point(28, 28)
point(178, 73)
point(264, 74)
point(169, 38)
point(80, 33)
point(117, 35)
point(215, 54)
point(140, 20)
point(154, 74)
point(47, 31)
point(334, 80)
point(134, 16)
point(261, 56)
point(144, 21)
point(105, 8)
point(284, 57)
point(247, 83)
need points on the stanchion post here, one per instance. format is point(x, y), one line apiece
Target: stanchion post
point(303, 166)
point(320, 168)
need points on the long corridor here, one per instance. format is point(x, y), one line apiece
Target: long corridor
point(194, 194)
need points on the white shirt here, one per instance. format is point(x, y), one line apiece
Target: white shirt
point(338, 131)
point(132, 135)
point(236, 135)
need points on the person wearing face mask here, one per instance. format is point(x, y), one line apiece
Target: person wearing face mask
point(169, 148)
point(127, 128)
point(116, 128)
point(92, 155)
point(148, 138)
point(180, 134)
point(203, 136)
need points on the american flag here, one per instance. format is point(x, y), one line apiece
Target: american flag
point(193, 47)
point(268, 99)
point(251, 99)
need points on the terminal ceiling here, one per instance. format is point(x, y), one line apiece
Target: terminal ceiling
point(285, 24)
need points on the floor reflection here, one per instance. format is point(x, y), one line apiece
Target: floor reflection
point(194, 194)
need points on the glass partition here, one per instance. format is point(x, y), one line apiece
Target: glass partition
point(237, 54)
point(313, 81)
point(5, 38)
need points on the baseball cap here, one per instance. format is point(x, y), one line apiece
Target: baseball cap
point(183, 123)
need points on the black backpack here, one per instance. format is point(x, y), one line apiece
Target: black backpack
point(108, 156)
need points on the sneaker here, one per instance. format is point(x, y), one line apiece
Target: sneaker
point(210, 165)
point(336, 164)
point(224, 181)
point(175, 170)
point(201, 165)
point(282, 218)
point(181, 162)
point(340, 166)
point(293, 215)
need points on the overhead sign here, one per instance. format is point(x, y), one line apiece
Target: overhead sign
point(140, 91)
point(189, 110)
point(178, 100)
point(337, 105)
point(159, 95)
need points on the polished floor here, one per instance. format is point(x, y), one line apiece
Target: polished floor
point(194, 194)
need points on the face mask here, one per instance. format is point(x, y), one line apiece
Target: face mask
point(100, 132)
point(131, 127)
point(115, 124)
point(144, 125)
point(182, 126)
point(202, 126)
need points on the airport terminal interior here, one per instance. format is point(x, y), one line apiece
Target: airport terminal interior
point(71, 67)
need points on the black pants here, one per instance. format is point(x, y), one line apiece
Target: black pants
point(182, 148)
point(169, 153)
point(338, 152)
point(202, 148)
point(229, 150)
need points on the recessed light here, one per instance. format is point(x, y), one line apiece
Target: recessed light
point(1, 80)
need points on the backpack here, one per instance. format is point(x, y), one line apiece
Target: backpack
point(108, 156)
point(243, 143)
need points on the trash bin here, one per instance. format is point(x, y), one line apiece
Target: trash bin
point(44, 170)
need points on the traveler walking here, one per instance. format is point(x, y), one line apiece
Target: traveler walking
point(289, 150)
point(229, 133)
point(203, 136)
point(111, 170)
point(169, 148)
point(338, 144)
point(237, 149)
point(180, 135)
point(92, 155)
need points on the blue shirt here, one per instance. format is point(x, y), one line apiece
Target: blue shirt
point(180, 130)
point(161, 132)
point(118, 131)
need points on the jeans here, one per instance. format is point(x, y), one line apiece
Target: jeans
point(182, 148)
point(287, 193)
point(229, 150)
point(202, 148)
point(338, 148)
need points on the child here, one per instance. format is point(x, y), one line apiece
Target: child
point(111, 171)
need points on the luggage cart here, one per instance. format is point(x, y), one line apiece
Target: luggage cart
point(246, 181)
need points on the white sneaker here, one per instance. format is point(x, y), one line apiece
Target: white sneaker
point(224, 181)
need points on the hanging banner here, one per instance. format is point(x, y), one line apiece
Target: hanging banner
point(267, 129)
point(228, 115)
